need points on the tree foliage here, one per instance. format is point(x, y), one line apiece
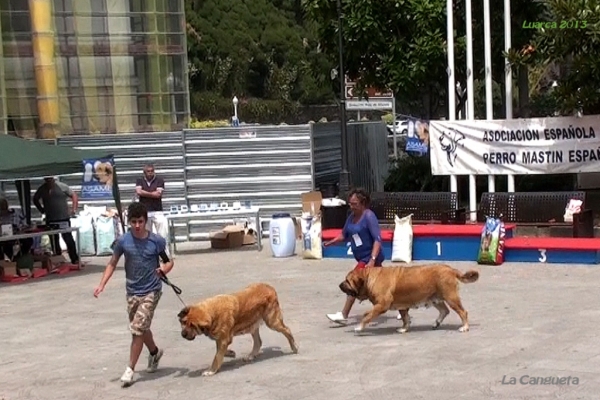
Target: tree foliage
point(260, 49)
point(574, 47)
point(402, 44)
point(396, 44)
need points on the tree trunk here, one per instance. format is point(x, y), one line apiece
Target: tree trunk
point(523, 83)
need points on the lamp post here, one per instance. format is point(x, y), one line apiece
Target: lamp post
point(235, 121)
point(344, 174)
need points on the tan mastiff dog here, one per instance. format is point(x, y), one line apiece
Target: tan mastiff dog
point(403, 288)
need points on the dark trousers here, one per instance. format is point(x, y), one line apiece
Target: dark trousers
point(69, 241)
point(7, 248)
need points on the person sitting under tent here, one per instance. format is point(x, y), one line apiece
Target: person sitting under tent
point(10, 216)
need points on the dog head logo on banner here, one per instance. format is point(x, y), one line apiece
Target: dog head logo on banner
point(449, 142)
point(97, 179)
point(418, 137)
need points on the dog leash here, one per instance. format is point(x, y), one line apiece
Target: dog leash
point(176, 289)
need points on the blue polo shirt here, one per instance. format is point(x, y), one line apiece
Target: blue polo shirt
point(363, 235)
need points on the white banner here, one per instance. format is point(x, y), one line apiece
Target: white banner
point(515, 147)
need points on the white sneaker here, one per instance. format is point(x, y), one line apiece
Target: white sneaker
point(127, 377)
point(338, 318)
point(153, 361)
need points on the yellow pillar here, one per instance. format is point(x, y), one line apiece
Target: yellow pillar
point(45, 71)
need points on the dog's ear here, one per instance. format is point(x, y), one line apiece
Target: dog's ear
point(183, 313)
point(358, 278)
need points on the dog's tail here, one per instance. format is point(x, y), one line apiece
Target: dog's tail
point(468, 277)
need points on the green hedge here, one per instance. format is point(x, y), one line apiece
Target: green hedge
point(209, 106)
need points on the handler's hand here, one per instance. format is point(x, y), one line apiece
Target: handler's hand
point(160, 272)
point(98, 290)
point(371, 263)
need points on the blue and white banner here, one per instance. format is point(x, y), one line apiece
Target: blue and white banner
point(417, 137)
point(557, 145)
point(97, 180)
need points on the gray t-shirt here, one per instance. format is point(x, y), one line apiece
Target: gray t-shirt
point(55, 201)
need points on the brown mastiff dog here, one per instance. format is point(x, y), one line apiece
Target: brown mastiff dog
point(224, 316)
point(402, 288)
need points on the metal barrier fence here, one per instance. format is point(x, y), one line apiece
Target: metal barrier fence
point(326, 152)
point(268, 165)
point(368, 160)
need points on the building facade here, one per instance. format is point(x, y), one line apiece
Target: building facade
point(72, 67)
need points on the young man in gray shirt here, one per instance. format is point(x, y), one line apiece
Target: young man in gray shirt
point(54, 196)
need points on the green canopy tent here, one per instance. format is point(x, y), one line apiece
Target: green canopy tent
point(21, 160)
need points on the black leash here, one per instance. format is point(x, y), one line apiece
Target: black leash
point(176, 289)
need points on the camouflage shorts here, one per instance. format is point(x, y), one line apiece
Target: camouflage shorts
point(141, 311)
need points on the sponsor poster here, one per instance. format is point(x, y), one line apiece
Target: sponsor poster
point(417, 140)
point(97, 179)
point(515, 147)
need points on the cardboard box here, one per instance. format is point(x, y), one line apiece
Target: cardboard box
point(249, 238)
point(230, 237)
point(8, 268)
point(311, 202)
point(44, 260)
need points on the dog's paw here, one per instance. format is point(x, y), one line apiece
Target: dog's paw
point(435, 325)
point(402, 330)
point(208, 373)
point(249, 358)
point(230, 354)
point(463, 329)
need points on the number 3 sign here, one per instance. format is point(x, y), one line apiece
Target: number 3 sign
point(542, 258)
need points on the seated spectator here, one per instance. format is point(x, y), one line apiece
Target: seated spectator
point(10, 216)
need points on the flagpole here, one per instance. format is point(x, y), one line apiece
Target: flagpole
point(451, 79)
point(489, 102)
point(470, 105)
point(508, 78)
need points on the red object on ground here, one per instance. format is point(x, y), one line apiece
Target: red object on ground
point(553, 243)
point(63, 269)
point(13, 279)
point(39, 272)
point(425, 230)
point(73, 267)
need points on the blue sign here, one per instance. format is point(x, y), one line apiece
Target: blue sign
point(97, 179)
point(417, 137)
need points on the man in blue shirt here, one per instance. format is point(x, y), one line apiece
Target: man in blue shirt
point(142, 250)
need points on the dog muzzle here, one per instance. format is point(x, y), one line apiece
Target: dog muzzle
point(345, 287)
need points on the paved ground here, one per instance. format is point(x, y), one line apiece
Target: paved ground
point(58, 342)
